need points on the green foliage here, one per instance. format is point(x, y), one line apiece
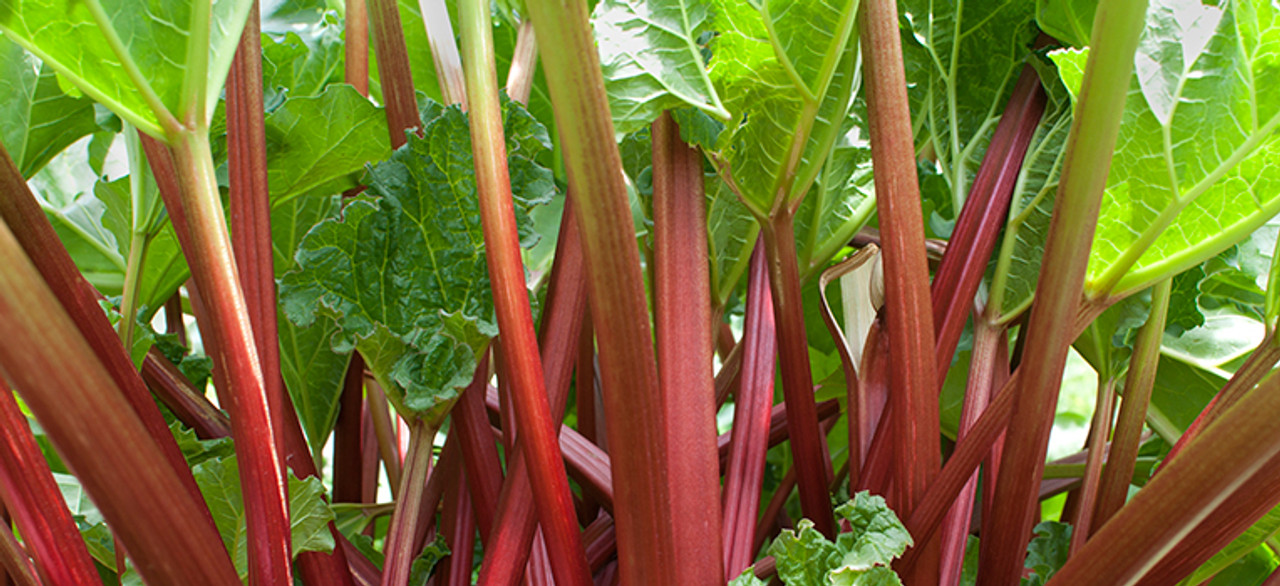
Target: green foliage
point(404, 274)
point(144, 61)
point(1069, 21)
point(37, 119)
point(652, 59)
point(313, 373)
point(1047, 551)
point(962, 60)
point(860, 557)
point(304, 156)
point(788, 81)
point(1197, 139)
point(309, 515)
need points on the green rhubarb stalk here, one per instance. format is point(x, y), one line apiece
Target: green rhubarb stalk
point(1117, 26)
point(538, 432)
point(406, 533)
point(1113, 489)
point(616, 290)
point(83, 412)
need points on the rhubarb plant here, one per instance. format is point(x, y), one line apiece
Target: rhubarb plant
point(667, 181)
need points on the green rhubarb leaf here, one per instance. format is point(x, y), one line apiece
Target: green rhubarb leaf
point(860, 557)
point(1047, 551)
point(731, 230)
point(309, 515)
point(420, 570)
point(136, 216)
point(1016, 268)
point(780, 133)
point(296, 66)
point(197, 451)
point(1181, 391)
point(877, 536)
point(962, 59)
point(1069, 21)
point(143, 60)
point(652, 59)
point(93, 219)
point(404, 275)
point(841, 201)
point(747, 578)
point(1197, 164)
point(37, 119)
point(313, 373)
point(304, 155)
point(804, 556)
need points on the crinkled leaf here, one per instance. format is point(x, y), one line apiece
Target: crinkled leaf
point(1047, 551)
point(156, 36)
point(771, 114)
point(875, 576)
point(1069, 21)
point(37, 119)
point(309, 515)
point(1197, 165)
point(962, 60)
point(747, 578)
point(322, 140)
point(652, 59)
point(312, 371)
point(860, 557)
point(877, 536)
point(804, 556)
point(404, 275)
point(426, 561)
point(195, 450)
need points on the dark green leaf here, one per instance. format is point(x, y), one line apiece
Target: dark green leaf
point(426, 561)
point(323, 140)
point(313, 372)
point(1047, 551)
point(405, 274)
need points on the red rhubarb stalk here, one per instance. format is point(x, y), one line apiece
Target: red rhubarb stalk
point(750, 422)
point(619, 309)
point(81, 410)
point(393, 69)
point(912, 379)
point(32, 497)
point(538, 439)
point(685, 347)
